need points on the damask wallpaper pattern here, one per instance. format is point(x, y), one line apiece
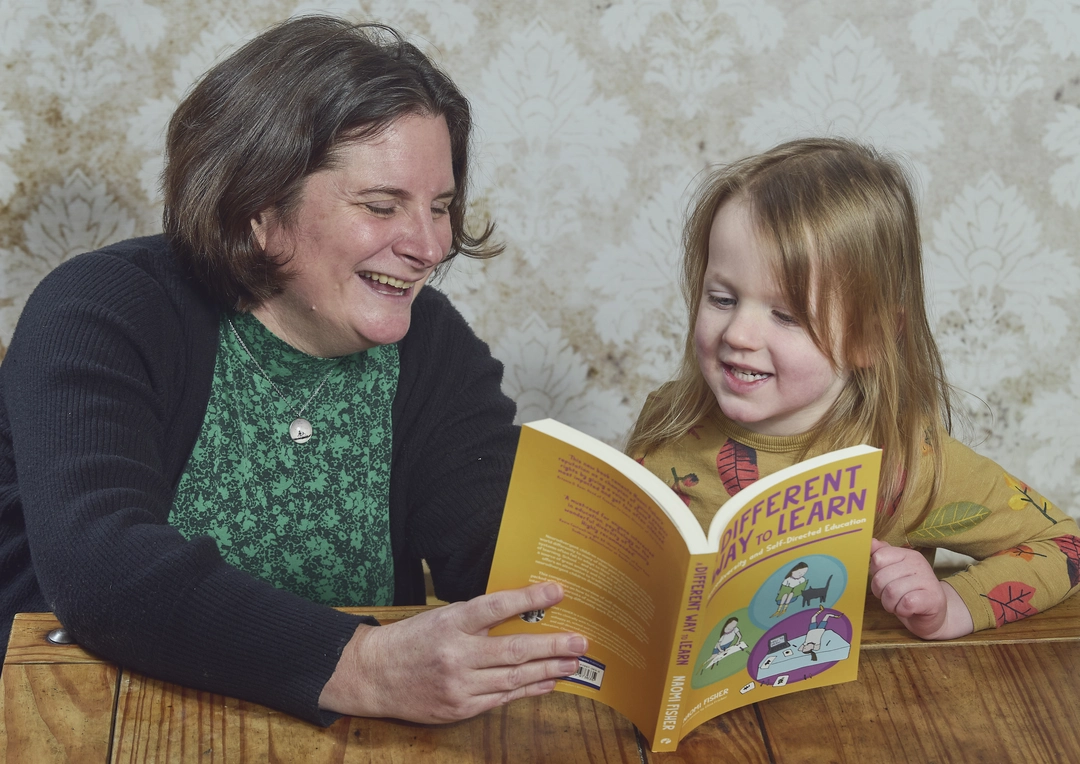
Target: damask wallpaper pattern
point(594, 120)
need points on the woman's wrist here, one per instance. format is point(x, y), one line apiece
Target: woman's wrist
point(344, 692)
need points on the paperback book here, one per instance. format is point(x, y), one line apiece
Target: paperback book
point(686, 624)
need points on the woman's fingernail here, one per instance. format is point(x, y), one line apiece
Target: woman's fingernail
point(578, 645)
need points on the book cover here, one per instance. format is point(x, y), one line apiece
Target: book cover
point(684, 625)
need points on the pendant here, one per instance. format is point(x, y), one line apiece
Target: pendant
point(300, 430)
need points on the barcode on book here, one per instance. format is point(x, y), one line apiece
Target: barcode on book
point(590, 673)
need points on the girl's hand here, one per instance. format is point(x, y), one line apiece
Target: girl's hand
point(908, 588)
point(440, 666)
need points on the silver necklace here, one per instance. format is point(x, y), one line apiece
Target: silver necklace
point(300, 429)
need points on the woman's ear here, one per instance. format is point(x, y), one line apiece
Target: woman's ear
point(260, 227)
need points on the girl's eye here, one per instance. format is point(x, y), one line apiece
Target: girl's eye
point(722, 301)
point(785, 319)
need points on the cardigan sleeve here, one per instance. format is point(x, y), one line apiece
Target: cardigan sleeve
point(454, 445)
point(1027, 550)
point(105, 385)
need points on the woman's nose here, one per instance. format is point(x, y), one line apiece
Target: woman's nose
point(422, 241)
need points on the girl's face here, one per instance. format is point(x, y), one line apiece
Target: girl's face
point(764, 370)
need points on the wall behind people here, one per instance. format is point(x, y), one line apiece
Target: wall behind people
point(593, 120)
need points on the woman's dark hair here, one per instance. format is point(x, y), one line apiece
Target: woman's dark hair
point(273, 113)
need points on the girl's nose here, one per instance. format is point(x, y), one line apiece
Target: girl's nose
point(742, 331)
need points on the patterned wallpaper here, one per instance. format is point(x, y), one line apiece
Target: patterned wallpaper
point(593, 119)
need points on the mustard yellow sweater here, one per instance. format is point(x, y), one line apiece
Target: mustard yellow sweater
point(1027, 550)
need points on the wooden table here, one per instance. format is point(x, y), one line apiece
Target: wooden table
point(1006, 695)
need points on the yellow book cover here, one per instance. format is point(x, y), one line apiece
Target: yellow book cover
point(685, 625)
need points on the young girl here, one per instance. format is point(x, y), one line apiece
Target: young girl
point(808, 332)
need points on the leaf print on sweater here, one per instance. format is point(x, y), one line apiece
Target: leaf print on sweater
point(736, 464)
point(1020, 552)
point(683, 481)
point(1011, 601)
point(949, 520)
point(1025, 497)
point(1070, 547)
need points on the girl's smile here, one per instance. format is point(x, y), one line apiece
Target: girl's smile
point(763, 368)
point(744, 377)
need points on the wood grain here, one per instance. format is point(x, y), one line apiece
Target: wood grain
point(161, 722)
point(992, 703)
point(28, 643)
point(56, 701)
point(1000, 695)
point(56, 712)
point(734, 736)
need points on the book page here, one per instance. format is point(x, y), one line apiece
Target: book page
point(655, 488)
point(572, 518)
point(787, 587)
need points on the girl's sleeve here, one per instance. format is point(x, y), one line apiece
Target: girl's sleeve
point(1027, 551)
point(92, 384)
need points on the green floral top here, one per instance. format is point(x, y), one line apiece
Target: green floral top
point(310, 518)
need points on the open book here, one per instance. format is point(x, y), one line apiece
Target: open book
point(684, 625)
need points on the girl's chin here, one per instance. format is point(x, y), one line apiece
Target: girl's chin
point(754, 423)
point(739, 412)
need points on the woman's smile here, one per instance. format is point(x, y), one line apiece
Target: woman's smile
point(368, 233)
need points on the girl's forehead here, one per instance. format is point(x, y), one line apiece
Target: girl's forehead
point(736, 228)
point(739, 258)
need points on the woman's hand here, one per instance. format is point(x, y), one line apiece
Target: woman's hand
point(440, 666)
point(906, 585)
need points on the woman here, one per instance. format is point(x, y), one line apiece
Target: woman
point(208, 437)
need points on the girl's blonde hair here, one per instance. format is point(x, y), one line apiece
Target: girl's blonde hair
point(839, 216)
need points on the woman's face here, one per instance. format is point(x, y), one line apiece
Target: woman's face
point(368, 233)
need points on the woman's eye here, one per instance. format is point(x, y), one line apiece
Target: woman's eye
point(439, 211)
point(380, 210)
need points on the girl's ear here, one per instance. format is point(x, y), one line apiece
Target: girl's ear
point(867, 354)
point(863, 357)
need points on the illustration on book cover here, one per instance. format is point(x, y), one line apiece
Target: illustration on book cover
point(789, 632)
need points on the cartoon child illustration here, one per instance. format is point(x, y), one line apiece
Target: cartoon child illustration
point(731, 641)
point(791, 587)
point(812, 643)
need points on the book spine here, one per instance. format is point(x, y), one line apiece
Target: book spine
point(681, 662)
